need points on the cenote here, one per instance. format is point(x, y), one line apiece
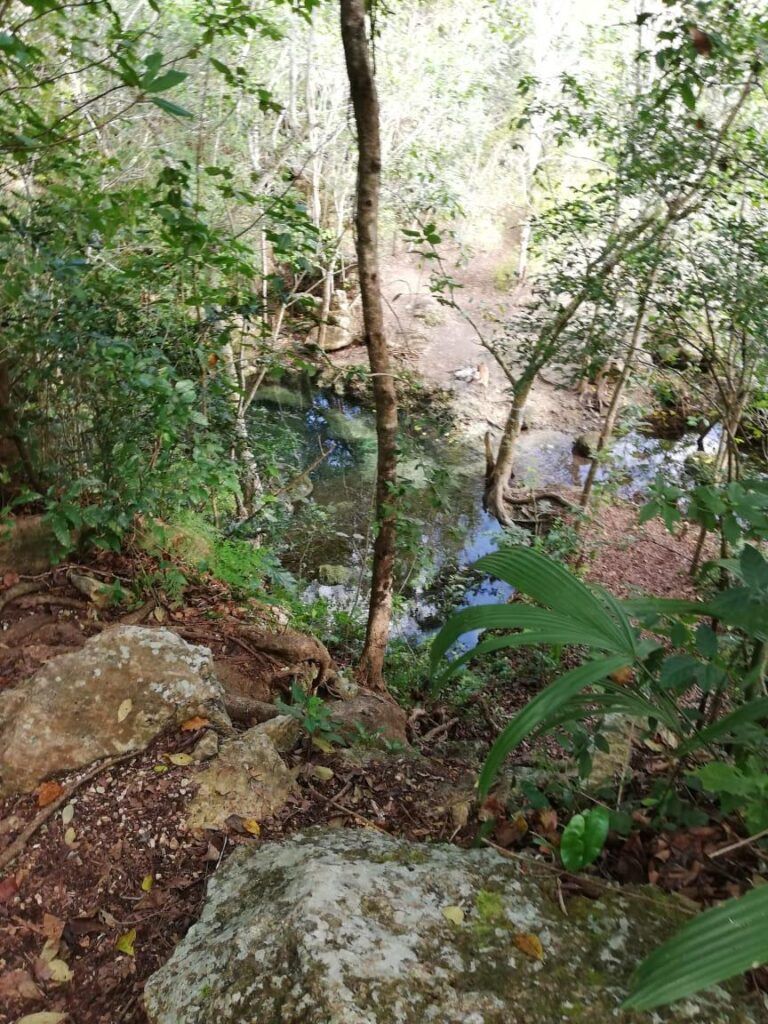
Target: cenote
point(444, 528)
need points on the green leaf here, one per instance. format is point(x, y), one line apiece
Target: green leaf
point(165, 81)
point(548, 627)
point(714, 946)
point(687, 94)
point(552, 585)
point(718, 777)
point(170, 108)
point(584, 837)
point(536, 713)
point(754, 711)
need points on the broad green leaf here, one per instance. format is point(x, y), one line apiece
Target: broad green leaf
point(754, 711)
point(563, 629)
point(552, 585)
point(714, 946)
point(165, 81)
point(539, 710)
point(170, 108)
point(584, 837)
point(718, 777)
point(689, 99)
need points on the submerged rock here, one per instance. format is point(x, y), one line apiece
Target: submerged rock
point(586, 444)
point(334, 575)
point(355, 927)
point(112, 696)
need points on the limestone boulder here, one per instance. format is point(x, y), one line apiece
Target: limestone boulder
point(376, 715)
point(283, 730)
point(248, 779)
point(113, 695)
point(355, 927)
point(586, 444)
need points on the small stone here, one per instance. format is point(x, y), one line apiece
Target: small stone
point(206, 747)
point(586, 445)
point(283, 730)
point(247, 779)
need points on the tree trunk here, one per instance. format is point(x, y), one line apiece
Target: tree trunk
point(247, 468)
point(499, 472)
point(366, 107)
point(613, 409)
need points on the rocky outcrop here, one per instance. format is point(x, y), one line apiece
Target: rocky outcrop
point(340, 327)
point(376, 715)
point(248, 779)
point(354, 927)
point(586, 445)
point(112, 696)
point(28, 545)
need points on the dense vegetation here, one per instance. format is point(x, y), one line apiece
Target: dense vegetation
point(183, 231)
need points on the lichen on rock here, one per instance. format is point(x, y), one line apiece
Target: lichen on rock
point(349, 927)
point(113, 695)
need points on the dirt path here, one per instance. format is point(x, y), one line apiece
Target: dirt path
point(440, 345)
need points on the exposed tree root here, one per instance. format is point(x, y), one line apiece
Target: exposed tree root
point(290, 646)
point(246, 711)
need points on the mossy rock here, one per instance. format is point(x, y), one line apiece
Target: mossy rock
point(334, 575)
point(28, 545)
point(350, 926)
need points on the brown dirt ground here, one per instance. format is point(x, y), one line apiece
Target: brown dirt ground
point(80, 898)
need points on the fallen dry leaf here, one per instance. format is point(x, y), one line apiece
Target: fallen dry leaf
point(52, 927)
point(11, 579)
point(18, 985)
point(49, 950)
point(322, 773)
point(58, 971)
point(45, 1017)
point(180, 759)
point(453, 914)
point(193, 724)
point(125, 709)
point(322, 745)
point(507, 833)
point(47, 792)
point(126, 941)
point(530, 945)
point(69, 836)
point(252, 826)
point(147, 882)
point(67, 814)
point(8, 888)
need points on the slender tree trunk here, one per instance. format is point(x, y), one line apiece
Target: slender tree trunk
point(366, 107)
point(247, 468)
point(613, 409)
point(499, 472)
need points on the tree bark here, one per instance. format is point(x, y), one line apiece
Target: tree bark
point(613, 409)
point(499, 472)
point(366, 109)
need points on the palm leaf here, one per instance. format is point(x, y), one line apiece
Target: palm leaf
point(541, 708)
point(714, 946)
point(552, 585)
point(563, 628)
point(640, 607)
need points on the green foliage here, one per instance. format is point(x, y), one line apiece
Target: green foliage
point(584, 837)
point(717, 662)
point(713, 947)
point(742, 788)
point(312, 713)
